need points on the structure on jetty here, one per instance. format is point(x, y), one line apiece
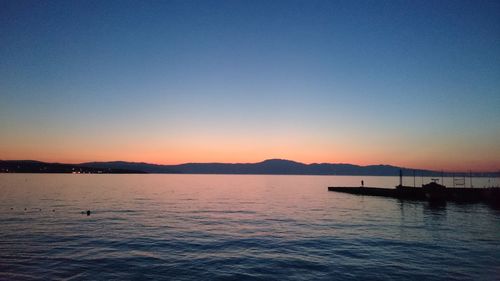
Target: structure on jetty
point(432, 191)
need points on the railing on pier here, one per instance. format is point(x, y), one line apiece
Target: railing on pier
point(469, 179)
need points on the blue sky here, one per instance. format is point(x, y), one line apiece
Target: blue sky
point(240, 81)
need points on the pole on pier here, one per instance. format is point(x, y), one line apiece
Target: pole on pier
point(470, 177)
point(414, 184)
point(400, 177)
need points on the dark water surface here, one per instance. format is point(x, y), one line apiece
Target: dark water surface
point(233, 227)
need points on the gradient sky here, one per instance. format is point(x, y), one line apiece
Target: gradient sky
point(410, 83)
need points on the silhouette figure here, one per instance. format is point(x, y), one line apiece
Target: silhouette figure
point(88, 213)
point(362, 183)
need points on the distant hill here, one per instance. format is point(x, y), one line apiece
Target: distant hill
point(267, 167)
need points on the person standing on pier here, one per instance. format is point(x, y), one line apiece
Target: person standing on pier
point(362, 183)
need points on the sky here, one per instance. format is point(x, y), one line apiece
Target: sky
point(407, 83)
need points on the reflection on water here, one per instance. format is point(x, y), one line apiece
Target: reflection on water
point(195, 227)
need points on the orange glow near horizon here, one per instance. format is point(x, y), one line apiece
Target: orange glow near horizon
point(252, 152)
point(202, 144)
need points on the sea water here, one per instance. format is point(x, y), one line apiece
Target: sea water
point(235, 227)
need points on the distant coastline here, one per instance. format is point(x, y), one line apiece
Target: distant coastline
point(32, 166)
point(267, 167)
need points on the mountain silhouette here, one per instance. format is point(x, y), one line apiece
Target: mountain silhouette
point(267, 167)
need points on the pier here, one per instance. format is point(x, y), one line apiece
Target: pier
point(432, 191)
point(487, 195)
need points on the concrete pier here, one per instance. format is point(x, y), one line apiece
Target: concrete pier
point(488, 195)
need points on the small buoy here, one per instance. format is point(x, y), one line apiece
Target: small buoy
point(88, 212)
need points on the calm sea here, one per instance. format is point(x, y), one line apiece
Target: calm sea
point(235, 227)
